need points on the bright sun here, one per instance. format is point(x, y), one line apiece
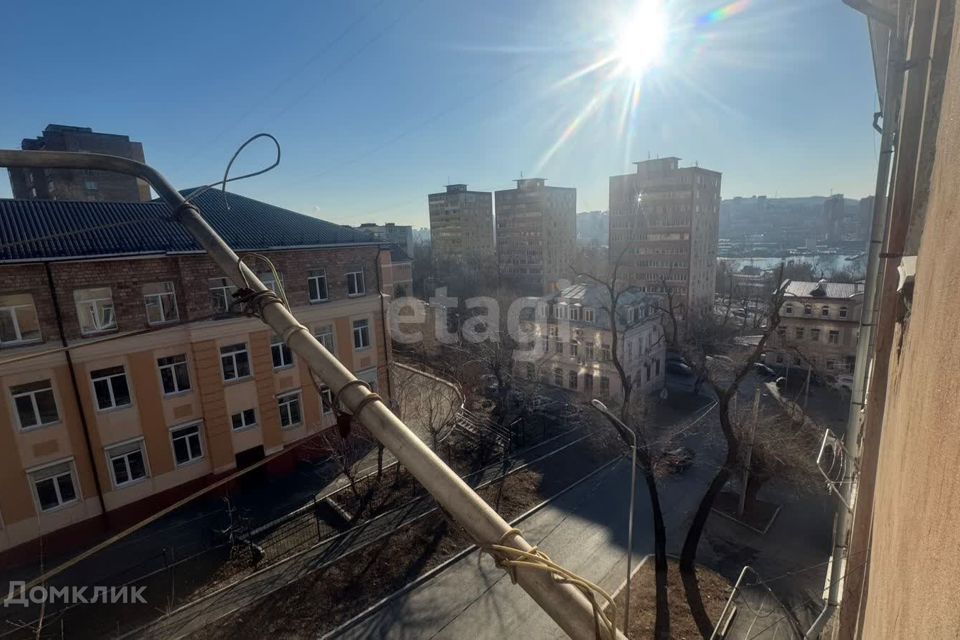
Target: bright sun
point(641, 41)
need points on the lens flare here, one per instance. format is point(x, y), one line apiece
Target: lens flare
point(725, 12)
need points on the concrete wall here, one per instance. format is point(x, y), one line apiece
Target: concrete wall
point(914, 559)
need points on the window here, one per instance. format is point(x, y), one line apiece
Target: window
point(588, 315)
point(317, 285)
point(779, 358)
point(572, 379)
point(361, 334)
point(604, 352)
point(831, 365)
point(244, 419)
point(814, 335)
point(604, 386)
point(326, 400)
point(575, 313)
point(798, 332)
point(270, 281)
point(588, 382)
point(89, 185)
point(221, 294)
point(558, 377)
point(834, 337)
point(54, 486)
point(282, 357)
point(289, 405)
point(36, 405)
point(843, 312)
point(782, 331)
point(161, 302)
point(825, 311)
point(589, 351)
point(788, 309)
point(127, 463)
point(110, 387)
point(18, 319)
point(561, 311)
point(355, 284)
point(95, 309)
point(531, 371)
point(173, 374)
point(324, 335)
point(574, 347)
point(187, 446)
point(656, 364)
point(807, 310)
point(235, 361)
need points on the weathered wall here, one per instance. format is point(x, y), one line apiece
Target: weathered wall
point(915, 553)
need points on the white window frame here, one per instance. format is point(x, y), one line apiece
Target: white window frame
point(110, 459)
point(71, 472)
point(15, 321)
point(233, 356)
point(843, 312)
point(278, 345)
point(33, 402)
point(157, 300)
point(173, 448)
point(244, 425)
point(321, 335)
point(575, 313)
point(224, 290)
point(359, 285)
point(286, 400)
point(326, 400)
point(588, 314)
point(358, 331)
point(318, 275)
point(271, 282)
point(100, 308)
point(113, 396)
point(173, 372)
point(833, 333)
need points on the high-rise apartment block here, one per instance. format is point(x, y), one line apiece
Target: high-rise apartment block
point(461, 224)
point(664, 225)
point(75, 184)
point(536, 235)
point(162, 383)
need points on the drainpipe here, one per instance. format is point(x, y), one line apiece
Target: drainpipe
point(76, 390)
point(383, 325)
point(847, 491)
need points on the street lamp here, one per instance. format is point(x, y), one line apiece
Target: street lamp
point(624, 430)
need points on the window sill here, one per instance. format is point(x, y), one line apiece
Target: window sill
point(237, 380)
point(116, 408)
point(97, 332)
point(361, 349)
point(38, 427)
point(248, 427)
point(162, 323)
point(285, 367)
point(176, 394)
point(130, 483)
point(190, 463)
point(19, 343)
point(356, 295)
point(291, 427)
point(319, 301)
point(59, 507)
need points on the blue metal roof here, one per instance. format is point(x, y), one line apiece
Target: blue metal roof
point(55, 229)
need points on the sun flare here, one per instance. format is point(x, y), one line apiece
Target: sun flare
point(641, 41)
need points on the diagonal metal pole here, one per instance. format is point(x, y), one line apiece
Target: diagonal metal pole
point(568, 606)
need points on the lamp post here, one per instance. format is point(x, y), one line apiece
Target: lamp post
point(623, 429)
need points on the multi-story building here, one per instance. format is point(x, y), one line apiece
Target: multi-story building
point(818, 328)
point(397, 234)
point(664, 228)
point(73, 184)
point(461, 225)
point(574, 342)
point(128, 379)
point(834, 214)
point(536, 236)
point(397, 274)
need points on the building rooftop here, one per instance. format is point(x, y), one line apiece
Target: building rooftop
point(823, 289)
point(33, 230)
point(595, 296)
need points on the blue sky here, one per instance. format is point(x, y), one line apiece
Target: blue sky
point(379, 102)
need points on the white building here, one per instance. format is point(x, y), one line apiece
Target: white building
point(574, 344)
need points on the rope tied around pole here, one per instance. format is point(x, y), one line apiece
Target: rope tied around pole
point(510, 558)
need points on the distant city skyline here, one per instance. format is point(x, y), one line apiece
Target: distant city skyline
point(378, 105)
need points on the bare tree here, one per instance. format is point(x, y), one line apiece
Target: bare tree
point(613, 309)
point(724, 376)
point(345, 452)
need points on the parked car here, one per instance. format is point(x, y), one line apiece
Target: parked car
point(763, 370)
point(781, 383)
point(678, 368)
point(842, 382)
point(678, 460)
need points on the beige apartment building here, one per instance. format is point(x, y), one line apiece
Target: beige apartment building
point(574, 343)
point(461, 225)
point(536, 236)
point(819, 324)
point(664, 229)
point(162, 386)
